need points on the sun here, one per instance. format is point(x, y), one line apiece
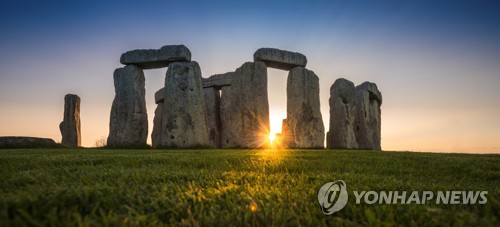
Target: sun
point(275, 137)
point(272, 137)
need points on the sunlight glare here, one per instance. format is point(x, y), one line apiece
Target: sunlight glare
point(272, 137)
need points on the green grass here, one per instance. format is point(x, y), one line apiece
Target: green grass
point(64, 187)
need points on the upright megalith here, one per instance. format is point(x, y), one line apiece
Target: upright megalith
point(304, 123)
point(128, 125)
point(245, 108)
point(156, 58)
point(354, 116)
point(367, 116)
point(212, 110)
point(212, 87)
point(158, 118)
point(70, 126)
point(280, 59)
point(342, 105)
point(184, 119)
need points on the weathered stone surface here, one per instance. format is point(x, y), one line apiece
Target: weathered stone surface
point(245, 108)
point(217, 80)
point(152, 58)
point(280, 59)
point(70, 126)
point(128, 125)
point(158, 118)
point(341, 131)
point(286, 134)
point(212, 110)
point(367, 116)
point(160, 96)
point(184, 120)
point(26, 142)
point(157, 126)
point(304, 121)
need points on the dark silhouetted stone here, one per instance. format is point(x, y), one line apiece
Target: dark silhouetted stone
point(70, 126)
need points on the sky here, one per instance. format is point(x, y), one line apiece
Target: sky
point(437, 63)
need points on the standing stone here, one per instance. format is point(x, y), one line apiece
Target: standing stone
point(158, 118)
point(286, 134)
point(367, 116)
point(184, 120)
point(341, 133)
point(70, 126)
point(304, 122)
point(280, 59)
point(212, 109)
point(128, 125)
point(245, 108)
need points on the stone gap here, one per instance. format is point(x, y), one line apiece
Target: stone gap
point(277, 104)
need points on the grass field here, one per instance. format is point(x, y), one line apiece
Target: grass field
point(64, 187)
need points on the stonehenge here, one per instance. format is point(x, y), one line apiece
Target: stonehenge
point(212, 110)
point(179, 116)
point(341, 132)
point(304, 123)
point(354, 116)
point(153, 59)
point(231, 110)
point(280, 59)
point(212, 87)
point(70, 126)
point(184, 120)
point(244, 108)
point(367, 116)
point(128, 124)
point(157, 120)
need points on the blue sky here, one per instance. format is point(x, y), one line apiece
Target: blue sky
point(436, 62)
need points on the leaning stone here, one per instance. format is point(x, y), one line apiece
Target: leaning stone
point(304, 121)
point(245, 108)
point(184, 120)
point(341, 131)
point(152, 58)
point(160, 96)
point(157, 126)
point(212, 109)
point(128, 126)
point(7, 142)
point(368, 100)
point(280, 59)
point(158, 118)
point(218, 80)
point(70, 126)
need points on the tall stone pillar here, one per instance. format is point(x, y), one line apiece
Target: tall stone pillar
point(212, 109)
point(158, 118)
point(184, 120)
point(245, 108)
point(128, 125)
point(304, 122)
point(367, 116)
point(341, 131)
point(70, 126)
